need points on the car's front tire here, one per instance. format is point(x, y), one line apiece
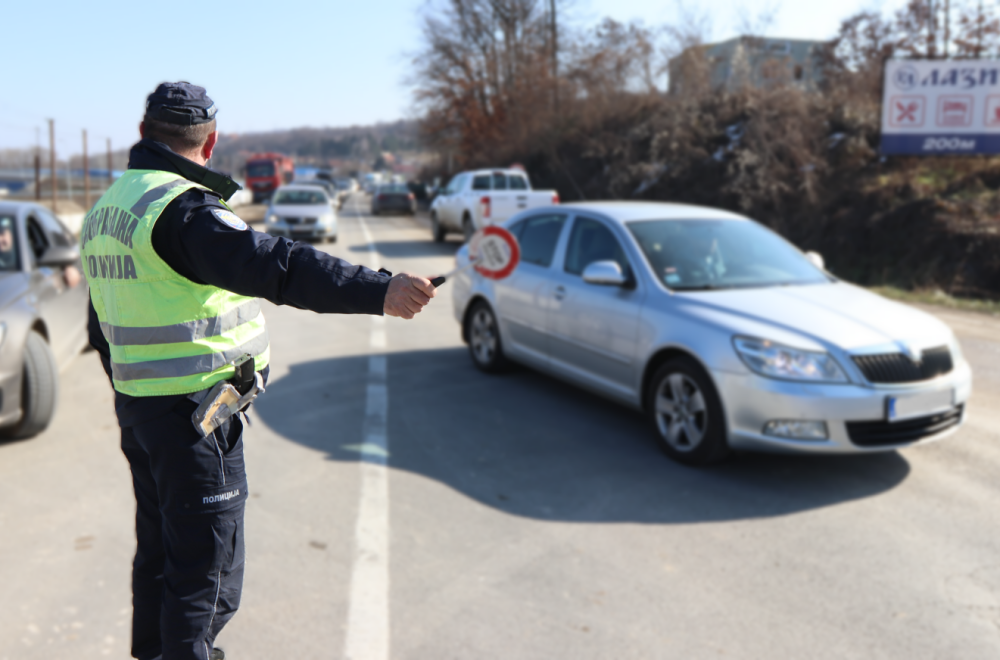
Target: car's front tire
point(483, 333)
point(437, 229)
point(39, 389)
point(686, 413)
point(468, 229)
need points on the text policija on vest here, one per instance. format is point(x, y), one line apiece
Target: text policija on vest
point(120, 225)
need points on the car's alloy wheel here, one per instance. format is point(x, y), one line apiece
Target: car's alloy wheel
point(686, 413)
point(484, 338)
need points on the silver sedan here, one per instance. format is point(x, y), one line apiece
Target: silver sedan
point(43, 314)
point(724, 334)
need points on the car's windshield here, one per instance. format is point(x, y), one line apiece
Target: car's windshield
point(394, 189)
point(721, 254)
point(299, 197)
point(8, 244)
point(260, 169)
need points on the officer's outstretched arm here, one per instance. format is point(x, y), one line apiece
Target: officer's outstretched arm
point(407, 295)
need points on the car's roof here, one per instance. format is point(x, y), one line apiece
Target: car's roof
point(495, 170)
point(629, 211)
point(302, 185)
point(12, 206)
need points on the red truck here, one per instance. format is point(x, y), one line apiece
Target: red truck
point(267, 171)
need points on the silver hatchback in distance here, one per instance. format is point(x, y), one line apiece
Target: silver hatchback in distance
point(723, 333)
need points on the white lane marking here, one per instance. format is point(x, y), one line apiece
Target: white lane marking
point(368, 611)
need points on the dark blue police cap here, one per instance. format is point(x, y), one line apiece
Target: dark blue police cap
point(180, 103)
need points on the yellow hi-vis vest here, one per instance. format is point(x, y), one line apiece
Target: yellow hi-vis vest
point(167, 334)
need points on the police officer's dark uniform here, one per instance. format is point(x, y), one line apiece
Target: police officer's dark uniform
point(191, 490)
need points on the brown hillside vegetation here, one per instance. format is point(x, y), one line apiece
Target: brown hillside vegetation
point(593, 125)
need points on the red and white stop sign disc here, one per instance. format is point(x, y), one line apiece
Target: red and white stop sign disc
point(496, 251)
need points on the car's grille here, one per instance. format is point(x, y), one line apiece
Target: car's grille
point(899, 368)
point(309, 221)
point(880, 433)
point(292, 221)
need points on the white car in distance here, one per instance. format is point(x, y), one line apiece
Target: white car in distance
point(472, 200)
point(302, 212)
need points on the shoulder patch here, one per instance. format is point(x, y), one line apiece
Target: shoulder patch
point(230, 219)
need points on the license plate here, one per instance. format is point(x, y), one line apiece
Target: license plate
point(909, 406)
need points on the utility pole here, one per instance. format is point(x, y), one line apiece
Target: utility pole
point(52, 161)
point(86, 175)
point(111, 178)
point(38, 164)
point(555, 55)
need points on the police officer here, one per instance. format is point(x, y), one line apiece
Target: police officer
point(8, 251)
point(175, 277)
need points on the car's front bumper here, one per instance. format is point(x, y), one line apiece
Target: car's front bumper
point(751, 401)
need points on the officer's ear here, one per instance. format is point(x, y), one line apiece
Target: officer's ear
point(209, 146)
point(142, 129)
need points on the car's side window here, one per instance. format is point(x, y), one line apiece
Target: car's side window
point(36, 238)
point(538, 236)
point(499, 181)
point(518, 182)
point(592, 241)
point(481, 182)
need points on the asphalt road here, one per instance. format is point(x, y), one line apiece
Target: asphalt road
point(513, 516)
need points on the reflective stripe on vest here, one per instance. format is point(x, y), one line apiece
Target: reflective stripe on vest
point(180, 332)
point(187, 366)
point(167, 334)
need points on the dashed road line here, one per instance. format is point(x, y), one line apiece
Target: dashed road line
point(368, 610)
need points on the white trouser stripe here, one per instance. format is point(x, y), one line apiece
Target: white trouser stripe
point(368, 613)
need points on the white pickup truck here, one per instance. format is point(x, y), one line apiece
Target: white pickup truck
point(474, 199)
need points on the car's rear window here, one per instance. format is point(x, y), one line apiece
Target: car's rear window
point(300, 197)
point(518, 182)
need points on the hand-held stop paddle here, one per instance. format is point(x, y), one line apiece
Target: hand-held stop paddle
point(493, 252)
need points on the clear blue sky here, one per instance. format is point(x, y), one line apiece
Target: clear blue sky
point(268, 65)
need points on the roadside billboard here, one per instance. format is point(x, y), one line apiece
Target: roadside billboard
point(937, 107)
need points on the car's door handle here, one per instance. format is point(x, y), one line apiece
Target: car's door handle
point(560, 292)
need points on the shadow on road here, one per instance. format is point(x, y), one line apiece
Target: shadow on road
point(533, 446)
point(426, 248)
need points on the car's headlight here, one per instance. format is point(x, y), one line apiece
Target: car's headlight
point(776, 361)
point(271, 218)
point(328, 219)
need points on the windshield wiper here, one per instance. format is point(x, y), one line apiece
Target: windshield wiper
point(700, 287)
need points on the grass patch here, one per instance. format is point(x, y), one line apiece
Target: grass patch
point(940, 298)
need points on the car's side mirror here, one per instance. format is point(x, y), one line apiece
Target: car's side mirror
point(59, 256)
point(816, 259)
point(606, 273)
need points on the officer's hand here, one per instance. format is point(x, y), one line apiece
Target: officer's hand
point(407, 295)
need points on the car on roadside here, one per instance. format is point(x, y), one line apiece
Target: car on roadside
point(724, 334)
point(472, 200)
point(43, 315)
point(302, 212)
point(393, 198)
